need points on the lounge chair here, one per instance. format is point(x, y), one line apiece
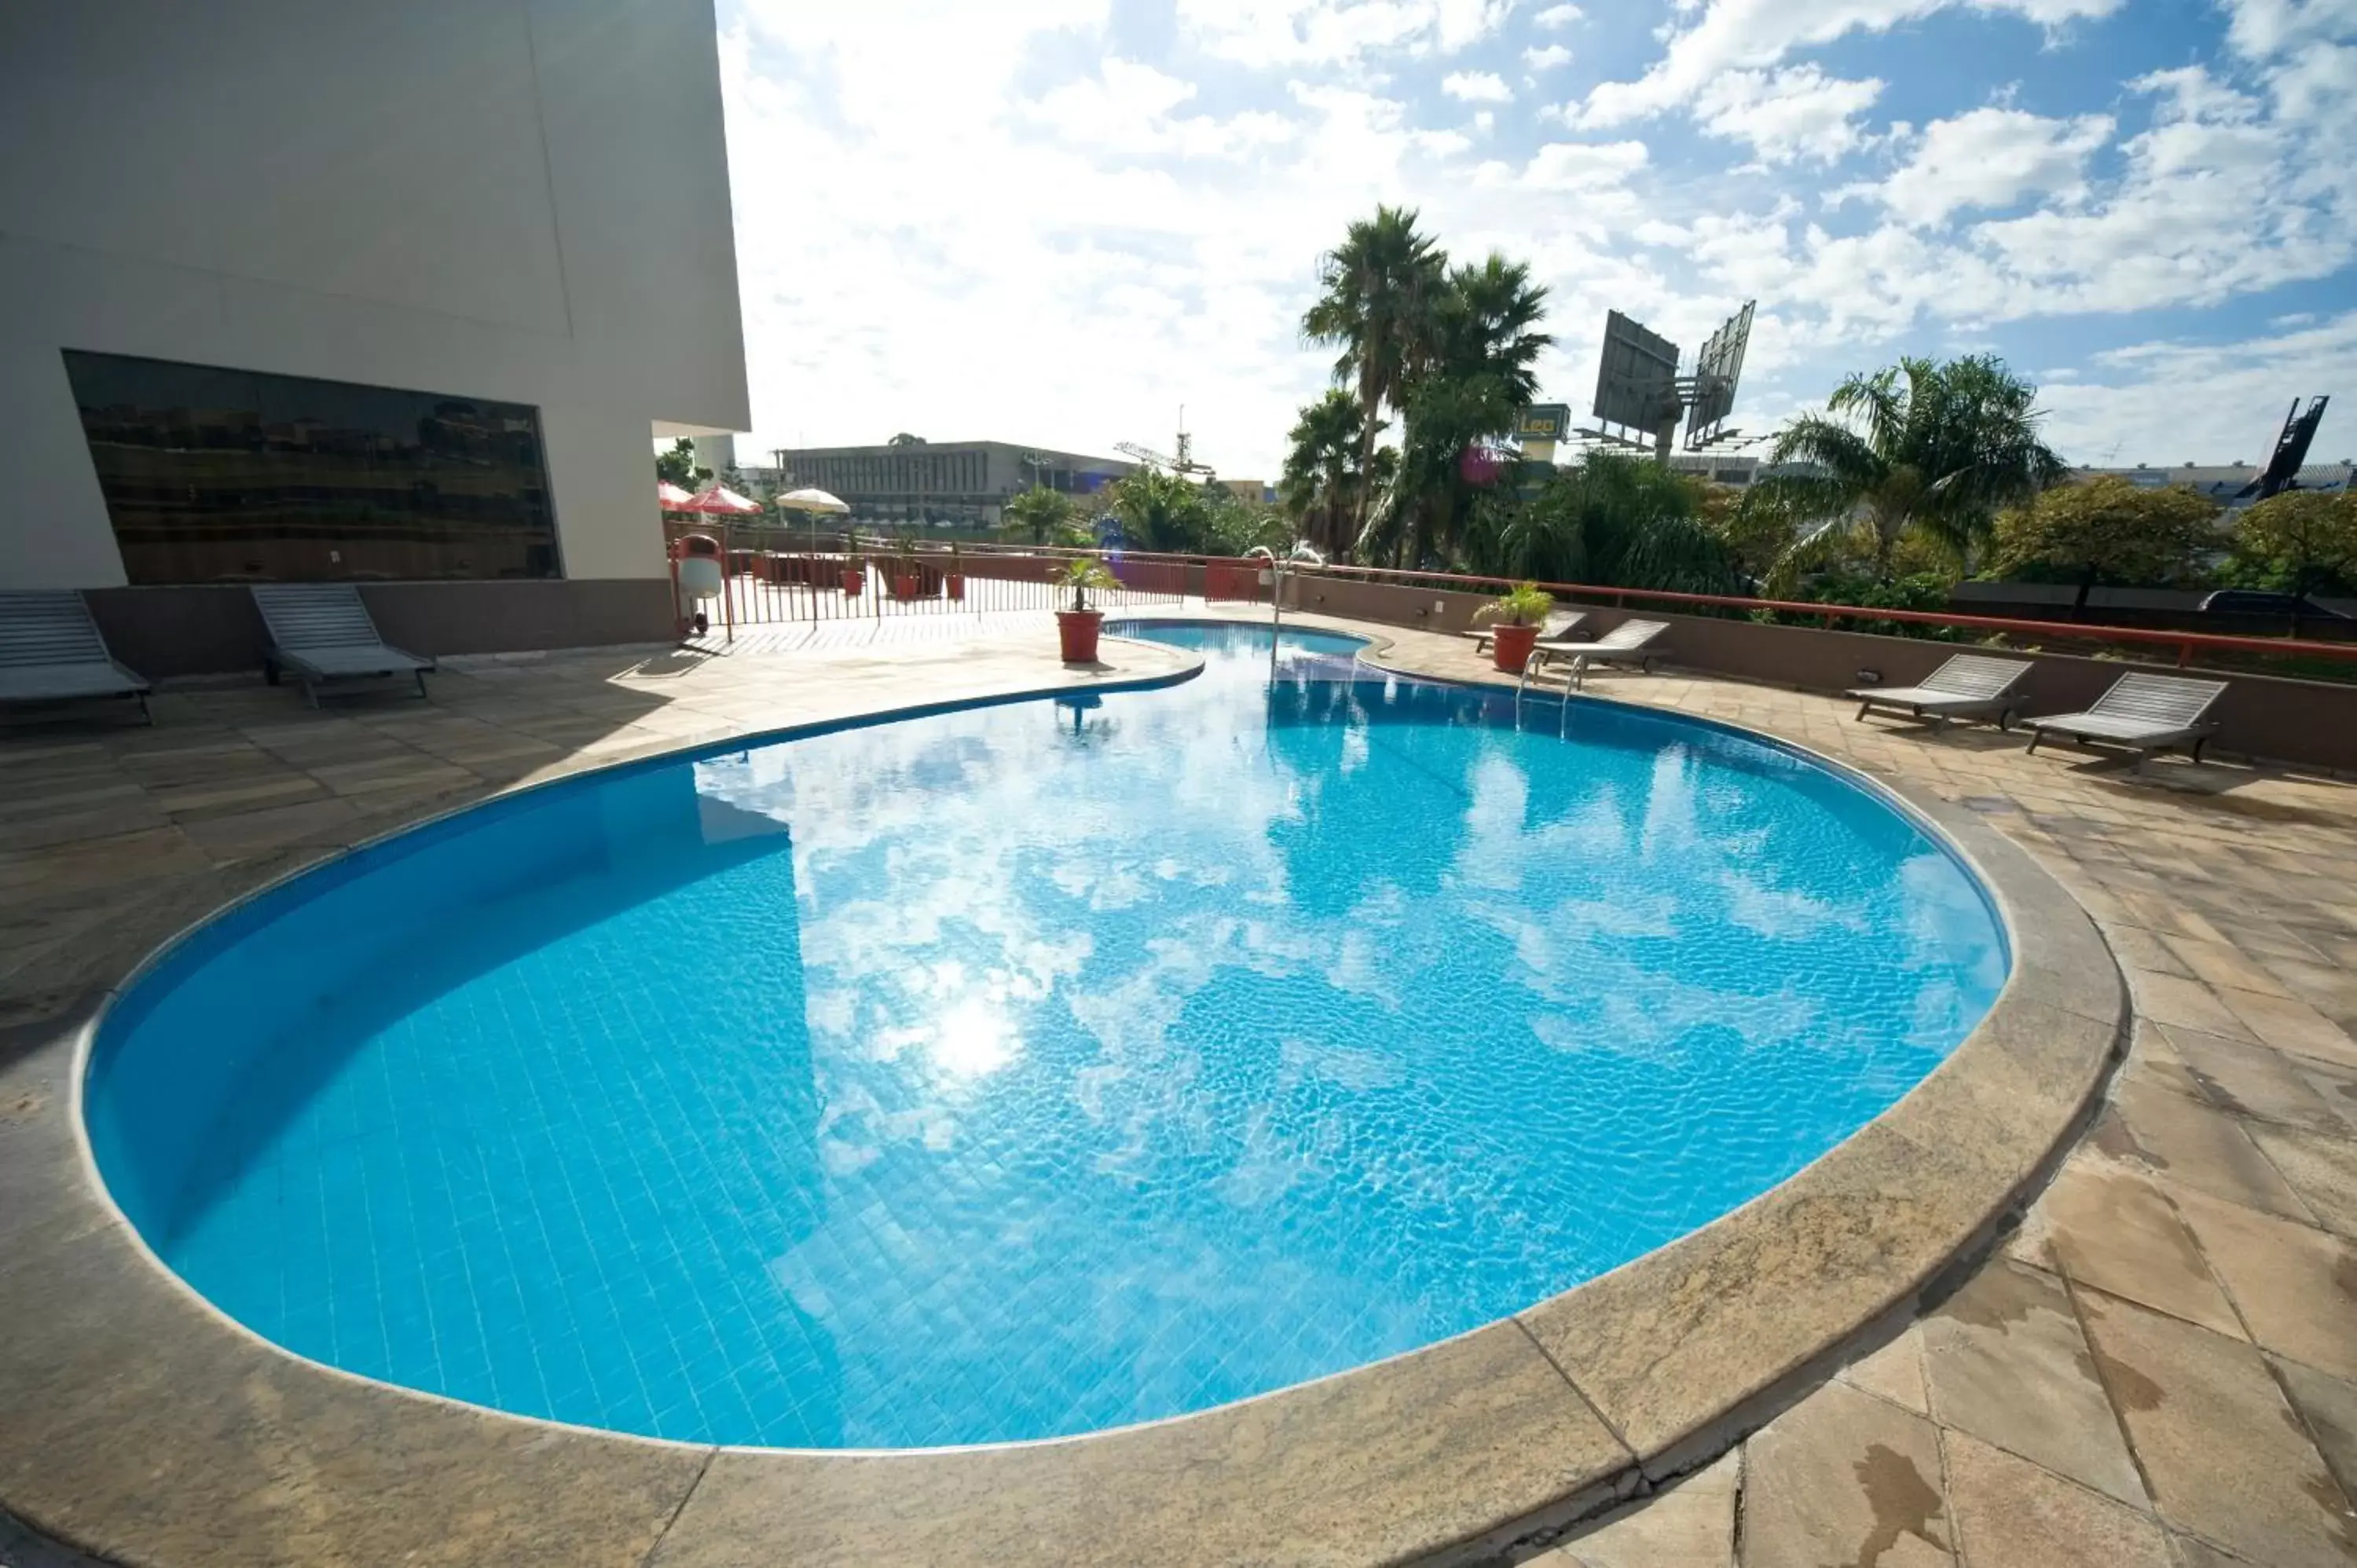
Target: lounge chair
point(2144, 712)
point(322, 632)
point(51, 652)
point(1969, 686)
point(1553, 629)
point(1631, 642)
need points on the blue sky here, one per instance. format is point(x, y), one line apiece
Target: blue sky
point(1054, 222)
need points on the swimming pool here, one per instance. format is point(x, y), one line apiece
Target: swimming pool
point(1033, 1068)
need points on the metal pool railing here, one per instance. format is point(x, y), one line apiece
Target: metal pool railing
point(770, 576)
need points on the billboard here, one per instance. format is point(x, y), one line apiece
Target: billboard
point(1636, 382)
point(1542, 426)
point(1715, 375)
point(1544, 422)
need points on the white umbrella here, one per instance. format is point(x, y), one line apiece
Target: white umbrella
point(812, 502)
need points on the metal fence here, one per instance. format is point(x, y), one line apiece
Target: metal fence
point(771, 577)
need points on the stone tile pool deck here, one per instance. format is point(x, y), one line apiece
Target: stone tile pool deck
point(2159, 1366)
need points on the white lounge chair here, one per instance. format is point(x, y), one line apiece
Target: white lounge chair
point(51, 652)
point(1553, 629)
point(1969, 686)
point(322, 632)
point(1631, 642)
point(2144, 712)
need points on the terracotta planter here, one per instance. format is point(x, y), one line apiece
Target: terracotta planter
point(1510, 647)
point(1077, 630)
point(904, 586)
point(854, 581)
point(957, 586)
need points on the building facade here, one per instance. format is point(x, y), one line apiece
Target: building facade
point(395, 295)
point(935, 484)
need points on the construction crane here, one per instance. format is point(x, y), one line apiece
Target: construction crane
point(2282, 472)
point(1182, 464)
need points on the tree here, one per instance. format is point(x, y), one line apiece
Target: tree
point(1920, 445)
point(1233, 525)
point(1472, 385)
point(677, 467)
point(2300, 541)
point(1159, 512)
point(905, 439)
point(1041, 515)
point(1322, 480)
point(1378, 292)
point(2109, 528)
point(1613, 520)
point(1756, 531)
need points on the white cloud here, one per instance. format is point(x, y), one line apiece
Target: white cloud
point(2135, 401)
point(1750, 35)
point(1547, 59)
point(1558, 16)
point(1463, 23)
point(1993, 158)
point(1477, 86)
point(1584, 165)
point(1330, 32)
point(1126, 107)
point(2259, 28)
point(1788, 115)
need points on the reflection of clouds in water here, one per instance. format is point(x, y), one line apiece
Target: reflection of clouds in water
point(1296, 1041)
point(1774, 912)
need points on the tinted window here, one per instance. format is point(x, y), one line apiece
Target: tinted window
point(233, 476)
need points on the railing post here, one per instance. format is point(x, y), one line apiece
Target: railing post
point(727, 585)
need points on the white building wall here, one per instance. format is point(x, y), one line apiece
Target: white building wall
point(525, 202)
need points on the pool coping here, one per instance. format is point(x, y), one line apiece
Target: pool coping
point(147, 1427)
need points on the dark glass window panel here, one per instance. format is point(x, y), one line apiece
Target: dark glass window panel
point(215, 476)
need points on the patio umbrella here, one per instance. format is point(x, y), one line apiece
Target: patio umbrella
point(812, 502)
point(670, 496)
point(720, 500)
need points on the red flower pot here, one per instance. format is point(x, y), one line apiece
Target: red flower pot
point(1510, 647)
point(1077, 630)
point(853, 581)
point(957, 586)
point(904, 586)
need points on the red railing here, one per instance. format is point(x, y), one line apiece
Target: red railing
point(773, 577)
point(2185, 642)
point(1151, 576)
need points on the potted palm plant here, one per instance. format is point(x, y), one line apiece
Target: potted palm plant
point(1518, 612)
point(957, 573)
point(855, 574)
point(907, 583)
point(1077, 629)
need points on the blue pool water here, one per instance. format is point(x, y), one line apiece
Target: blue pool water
point(1030, 1069)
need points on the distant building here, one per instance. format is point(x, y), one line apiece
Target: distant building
point(1740, 469)
point(1259, 490)
point(936, 484)
point(2223, 482)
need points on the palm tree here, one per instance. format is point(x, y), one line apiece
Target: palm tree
point(1159, 510)
point(1379, 292)
point(1322, 477)
point(1479, 378)
point(1612, 519)
point(1921, 444)
point(1043, 514)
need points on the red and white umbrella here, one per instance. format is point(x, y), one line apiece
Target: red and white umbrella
point(670, 496)
point(719, 499)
